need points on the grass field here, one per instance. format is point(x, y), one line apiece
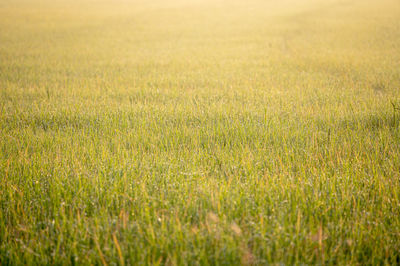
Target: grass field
point(204, 132)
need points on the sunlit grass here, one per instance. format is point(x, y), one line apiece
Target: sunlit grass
point(199, 132)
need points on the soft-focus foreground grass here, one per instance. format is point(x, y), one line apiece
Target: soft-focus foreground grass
point(194, 132)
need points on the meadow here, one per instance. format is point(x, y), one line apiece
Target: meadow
point(199, 132)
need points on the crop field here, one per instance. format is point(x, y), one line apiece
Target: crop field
point(199, 132)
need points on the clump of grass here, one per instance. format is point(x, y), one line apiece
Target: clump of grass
point(396, 109)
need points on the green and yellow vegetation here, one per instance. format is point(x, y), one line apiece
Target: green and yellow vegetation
point(199, 132)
